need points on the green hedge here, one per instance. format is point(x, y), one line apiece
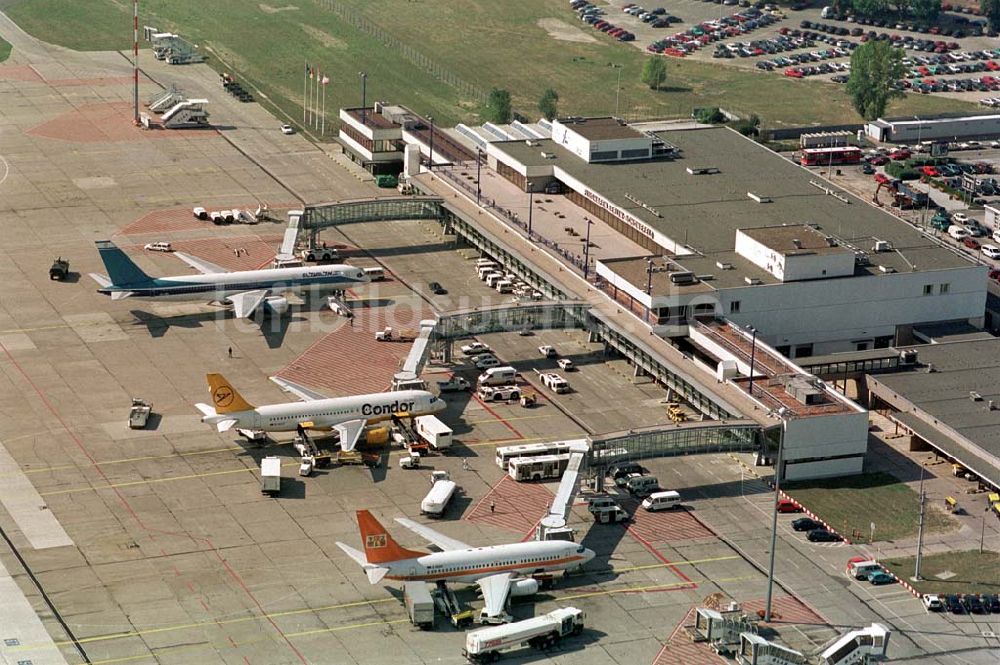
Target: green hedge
point(901, 170)
point(929, 161)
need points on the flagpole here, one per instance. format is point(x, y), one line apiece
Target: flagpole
point(305, 87)
point(322, 131)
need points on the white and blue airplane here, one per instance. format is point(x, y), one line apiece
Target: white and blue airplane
point(245, 290)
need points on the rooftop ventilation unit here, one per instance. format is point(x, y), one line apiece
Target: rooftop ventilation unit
point(831, 241)
point(758, 198)
point(882, 246)
point(975, 397)
point(705, 278)
point(797, 243)
point(861, 259)
point(908, 357)
point(886, 270)
point(548, 155)
point(722, 265)
point(706, 170)
point(752, 281)
point(531, 144)
point(686, 277)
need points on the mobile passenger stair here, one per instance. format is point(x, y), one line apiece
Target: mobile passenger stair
point(862, 646)
point(186, 113)
point(165, 99)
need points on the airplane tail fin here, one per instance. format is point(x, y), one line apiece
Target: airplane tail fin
point(121, 269)
point(224, 396)
point(379, 545)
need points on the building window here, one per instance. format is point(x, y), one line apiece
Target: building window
point(603, 155)
point(928, 289)
point(783, 349)
point(943, 288)
point(862, 346)
point(734, 307)
point(803, 350)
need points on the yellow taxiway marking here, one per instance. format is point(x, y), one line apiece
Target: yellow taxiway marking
point(632, 569)
point(651, 587)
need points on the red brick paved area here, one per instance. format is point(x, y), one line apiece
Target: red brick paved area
point(519, 506)
point(97, 81)
point(665, 525)
point(221, 251)
point(680, 650)
point(169, 220)
point(108, 121)
point(19, 73)
point(349, 361)
point(785, 609)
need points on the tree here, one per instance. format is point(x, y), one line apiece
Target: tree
point(926, 10)
point(549, 103)
point(902, 7)
point(498, 106)
point(991, 9)
point(870, 7)
point(876, 67)
point(654, 72)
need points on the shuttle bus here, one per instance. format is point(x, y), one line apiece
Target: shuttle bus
point(538, 467)
point(506, 453)
point(847, 154)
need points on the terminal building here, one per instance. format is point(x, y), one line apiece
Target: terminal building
point(734, 230)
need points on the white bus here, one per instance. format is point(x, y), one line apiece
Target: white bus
point(506, 453)
point(537, 468)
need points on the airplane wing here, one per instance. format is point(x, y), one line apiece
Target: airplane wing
point(444, 542)
point(246, 303)
point(350, 432)
point(495, 590)
point(301, 392)
point(202, 266)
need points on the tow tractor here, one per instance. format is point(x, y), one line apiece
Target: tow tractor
point(139, 414)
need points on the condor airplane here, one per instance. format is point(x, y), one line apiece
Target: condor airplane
point(245, 290)
point(501, 571)
point(346, 415)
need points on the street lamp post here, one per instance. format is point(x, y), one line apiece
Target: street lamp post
point(479, 164)
point(753, 353)
point(920, 529)
point(618, 87)
point(649, 276)
point(774, 517)
point(430, 161)
point(586, 250)
point(364, 95)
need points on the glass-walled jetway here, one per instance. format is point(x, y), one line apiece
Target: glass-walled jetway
point(318, 217)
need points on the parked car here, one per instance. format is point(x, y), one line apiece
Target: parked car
point(287, 129)
point(960, 217)
point(806, 524)
point(974, 604)
point(932, 602)
point(971, 243)
point(879, 577)
point(437, 289)
point(475, 348)
point(548, 351)
point(990, 251)
point(823, 536)
point(954, 605)
point(788, 506)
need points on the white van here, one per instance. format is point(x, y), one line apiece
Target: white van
point(161, 246)
point(486, 271)
point(498, 376)
point(642, 485)
point(504, 286)
point(375, 274)
point(598, 503)
point(485, 263)
point(996, 236)
point(662, 501)
point(859, 569)
point(492, 279)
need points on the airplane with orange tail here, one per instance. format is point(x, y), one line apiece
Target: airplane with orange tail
point(501, 571)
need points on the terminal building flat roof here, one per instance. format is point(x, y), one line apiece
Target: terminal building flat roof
point(949, 407)
point(702, 212)
point(600, 129)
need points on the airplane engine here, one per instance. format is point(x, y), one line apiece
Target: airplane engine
point(528, 587)
point(276, 305)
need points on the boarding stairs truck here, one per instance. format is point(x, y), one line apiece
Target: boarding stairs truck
point(433, 431)
point(486, 644)
point(188, 113)
point(442, 490)
point(166, 99)
point(857, 647)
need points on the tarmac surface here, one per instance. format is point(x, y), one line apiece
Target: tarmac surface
point(156, 545)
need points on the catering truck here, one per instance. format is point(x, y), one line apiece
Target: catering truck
point(436, 501)
point(433, 431)
point(419, 604)
point(541, 632)
point(270, 475)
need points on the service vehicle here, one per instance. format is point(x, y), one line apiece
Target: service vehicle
point(540, 632)
point(454, 384)
point(498, 393)
point(959, 232)
point(139, 414)
point(504, 286)
point(270, 475)
point(375, 274)
point(524, 469)
point(485, 263)
point(554, 382)
point(59, 270)
point(199, 213)
point(475, 348)
point(566, 365)
point(419, 604)
point(497, 376)
point(437, 289)
point(990, 251)
point(161, 246)
point(596, 503)
point(642, 486)
point(548, 351)
point(486, 361)
point(504, 454)
point(667, 500)
point(321, 253)
point(611, 515)
point(287, 129)
point(411, 461)
point(442, 490)
point(433, 431)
